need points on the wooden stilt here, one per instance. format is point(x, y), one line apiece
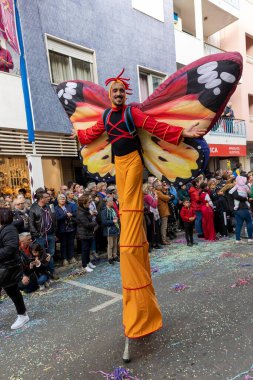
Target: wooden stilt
point(126, 355)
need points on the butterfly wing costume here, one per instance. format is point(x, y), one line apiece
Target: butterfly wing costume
point(197, 93)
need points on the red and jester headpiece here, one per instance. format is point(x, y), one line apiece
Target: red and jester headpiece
point(119, 79)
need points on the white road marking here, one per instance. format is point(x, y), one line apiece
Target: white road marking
point(115, 296)
point(105, 304)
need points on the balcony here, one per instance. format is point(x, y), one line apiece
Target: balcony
point(12, 113)
point(229, 128)
point(216, 14)
point(210, 49)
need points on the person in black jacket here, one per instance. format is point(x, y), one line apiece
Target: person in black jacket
point(10, 265)
point(42, 223)
point(85, 230)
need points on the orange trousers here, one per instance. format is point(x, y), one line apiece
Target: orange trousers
point(141, 312)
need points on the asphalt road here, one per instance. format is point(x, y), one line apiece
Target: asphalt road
point(75, 327)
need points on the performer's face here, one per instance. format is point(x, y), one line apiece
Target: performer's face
point(118, 94)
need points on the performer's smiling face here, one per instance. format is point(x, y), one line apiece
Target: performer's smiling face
point(118, 94)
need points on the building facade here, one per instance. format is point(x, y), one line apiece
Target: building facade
point(198, 26)
point(90, 40)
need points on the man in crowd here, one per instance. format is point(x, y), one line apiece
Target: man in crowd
point(43, 226)
point(20, 215)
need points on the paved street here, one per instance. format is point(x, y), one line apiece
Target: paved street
point(75, 327)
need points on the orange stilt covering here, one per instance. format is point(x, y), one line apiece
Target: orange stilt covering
point(141, 312)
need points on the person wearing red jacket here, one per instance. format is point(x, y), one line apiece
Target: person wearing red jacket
point(188, 217)
point(196, 205)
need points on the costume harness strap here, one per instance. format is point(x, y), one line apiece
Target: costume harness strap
point(132, 131)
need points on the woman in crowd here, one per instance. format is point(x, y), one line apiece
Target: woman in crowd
point(207, 213)
point(150, 202)
point(10, 265)
point(66, 227)
point(163, 208)
point(196, 205)
point(85, 231)
point(242, 214)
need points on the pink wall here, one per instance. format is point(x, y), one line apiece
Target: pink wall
point(233, 38)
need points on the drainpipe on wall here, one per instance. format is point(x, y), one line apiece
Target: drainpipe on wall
point(34, 160)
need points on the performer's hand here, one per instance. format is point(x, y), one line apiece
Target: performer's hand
point(73, 133)
point(193, 131)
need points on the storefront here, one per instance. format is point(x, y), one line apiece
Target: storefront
point(225, 156)
point(59, 159)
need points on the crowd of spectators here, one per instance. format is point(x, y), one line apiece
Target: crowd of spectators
point(84, 223)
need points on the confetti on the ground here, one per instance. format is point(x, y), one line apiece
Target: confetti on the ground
point(119, 373)
point(240, 282)
point(179, 287)
point(154, 269)
point(246, 373)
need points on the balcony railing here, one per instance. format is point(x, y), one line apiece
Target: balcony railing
point(233, 3)
point(229, 127)
point(210, 49)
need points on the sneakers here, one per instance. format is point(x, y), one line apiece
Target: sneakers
point(88, 269)
point(20, 321)
point(250, 241)
point(65, 263)
point(41, 288)
point(72, 261)
point(189, 244)
point(91, 266)
point(47, 284)
point(111, 261)
point(238, 241)
point(116, 258)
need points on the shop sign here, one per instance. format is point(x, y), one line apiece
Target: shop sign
point(223, 150)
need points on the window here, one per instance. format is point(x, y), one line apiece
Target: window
point(250, 99)
point(149, 81)
point(150, 7)
point(69, 61)
point(249, 48)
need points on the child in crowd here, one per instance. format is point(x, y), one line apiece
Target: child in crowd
point(242, 190)
point(39, 265)
point(220, 213)
point(207, 213)
point(110, 225)
point(188, 217)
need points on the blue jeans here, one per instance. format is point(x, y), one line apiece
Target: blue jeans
point(243, 215)
point(42, 279)
point(49, 245)
point(198, 223)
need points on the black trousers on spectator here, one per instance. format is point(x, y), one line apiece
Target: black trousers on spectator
point(188, 227)
point(14, 293)
point(85, 247)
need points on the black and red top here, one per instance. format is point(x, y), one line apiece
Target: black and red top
point(122, 141)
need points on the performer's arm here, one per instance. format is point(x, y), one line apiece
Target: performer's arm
point(164, 131)
point(86, 136)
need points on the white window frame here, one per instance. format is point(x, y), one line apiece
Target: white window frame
point(61, 46)
point(149, 73)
